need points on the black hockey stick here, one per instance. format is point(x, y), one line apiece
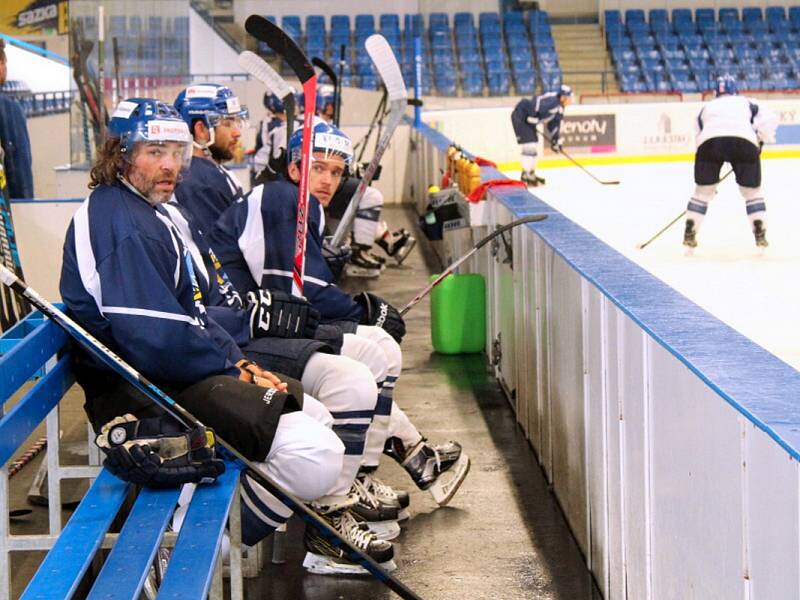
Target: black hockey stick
point(326, 68)
point(579, 165)
point(132, 376)
point(361, 145)
point(266, 31)
point(117, 74)
point(671, 223)
point(337, 112)
point(475, 248)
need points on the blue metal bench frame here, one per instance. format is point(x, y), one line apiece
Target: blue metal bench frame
point(37, 348)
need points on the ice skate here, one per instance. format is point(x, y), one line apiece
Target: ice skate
point(361, 264)
point(324, 558)
point(381, 517)
point(531, 179)
point(760, 233)
point(689, 238)
point(440, 469)
point(387, 494)
point(397, 244)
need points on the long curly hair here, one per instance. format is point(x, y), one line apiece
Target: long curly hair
point(108, 165)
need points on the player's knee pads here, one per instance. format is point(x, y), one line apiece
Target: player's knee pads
point(705, 193)
point(368, 353)
point(388, 346)
point(751, 193)
point(305, 457)
point(372, 198)
point(317, 411)
point(341, 383)
point(529, 149)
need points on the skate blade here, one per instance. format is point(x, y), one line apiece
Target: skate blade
point(326, 565)
point(443, 491)
point(688, 251)
point(364, 274)
point(405, 250)
point(384, 530)
point(403, 515)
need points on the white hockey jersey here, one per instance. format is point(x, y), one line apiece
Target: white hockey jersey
point(736, 116)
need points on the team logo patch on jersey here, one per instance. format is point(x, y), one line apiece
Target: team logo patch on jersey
point(269, 395)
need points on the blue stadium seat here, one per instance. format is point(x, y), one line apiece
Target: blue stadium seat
point(633, 15)
point(751, 13)
point(525, 82)
point(728, 13)
point(612, 16)
point(472, 83)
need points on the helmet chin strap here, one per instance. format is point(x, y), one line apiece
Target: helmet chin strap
point(205, 147)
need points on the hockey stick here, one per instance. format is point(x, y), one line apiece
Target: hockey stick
point(337, 112)
point(671, 223)
point(277, 39)
point(579, 165)
point(326, 68)
point(117, 75)
point(379, 113)
point(475, 248)
point(385, 62)
point(260, 69)
point(132, 376)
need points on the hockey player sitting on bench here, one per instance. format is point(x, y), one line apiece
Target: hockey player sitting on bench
point(127, 277)
point(254, 240)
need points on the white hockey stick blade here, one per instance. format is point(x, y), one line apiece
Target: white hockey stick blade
point(385, 61)
point(258, 68)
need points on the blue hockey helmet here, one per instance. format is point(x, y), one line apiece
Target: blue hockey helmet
point(273, 104)
point(327, 139)
point(725, 85)
point(565, 90)
point(210, 103)
point(147, 120)
point(325, 99)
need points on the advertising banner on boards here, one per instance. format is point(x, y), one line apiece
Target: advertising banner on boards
point(23, 17)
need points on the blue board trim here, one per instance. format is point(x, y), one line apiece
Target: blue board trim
point(754, 382)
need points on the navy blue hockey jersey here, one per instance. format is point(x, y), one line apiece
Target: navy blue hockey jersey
point(531, 111)
point(128, 277)
point(207, 190)
point(254, 240)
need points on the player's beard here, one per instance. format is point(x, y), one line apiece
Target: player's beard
point(219, 154)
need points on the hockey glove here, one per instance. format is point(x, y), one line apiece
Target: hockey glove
point(336, 257)
point(158, 452)
point(557, 144)
point(378, 312)
point(278, 314)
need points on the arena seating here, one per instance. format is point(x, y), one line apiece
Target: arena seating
point(685, 51)
point(508, 53)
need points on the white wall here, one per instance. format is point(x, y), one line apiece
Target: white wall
point(208, 53)
point(39, 73)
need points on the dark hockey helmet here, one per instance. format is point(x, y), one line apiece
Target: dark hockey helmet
point(565, 90)
point(210, 103)
point(327, 139)
point(725, 85)
point(273, 104)
point(147, 120)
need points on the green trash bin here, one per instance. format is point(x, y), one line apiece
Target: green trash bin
point(458, 314)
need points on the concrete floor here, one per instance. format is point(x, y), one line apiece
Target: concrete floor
point(502, 537)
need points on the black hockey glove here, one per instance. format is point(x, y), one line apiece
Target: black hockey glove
point(557, 144)
point(158, 452)
point(278, 314)
point(336, 257)
point(380, 313)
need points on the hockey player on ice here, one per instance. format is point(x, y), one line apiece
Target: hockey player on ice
point(128, 278)
point(527, 114)
point(268, 151)
point(254, 240)
point(732, 129)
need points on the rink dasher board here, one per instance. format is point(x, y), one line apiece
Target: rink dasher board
point(668, 437)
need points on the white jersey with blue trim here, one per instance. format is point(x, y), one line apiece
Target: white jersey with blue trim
point(128, 277)
point(254, 240)
point(736, 116)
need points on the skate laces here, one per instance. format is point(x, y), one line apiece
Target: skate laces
point(353, 530)
point(377, 487)
point(365, 494)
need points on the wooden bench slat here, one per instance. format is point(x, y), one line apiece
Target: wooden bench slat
point(70, 557)
point(27, 354)
point(25, 416)
point(191, 566)
point(125, 570)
